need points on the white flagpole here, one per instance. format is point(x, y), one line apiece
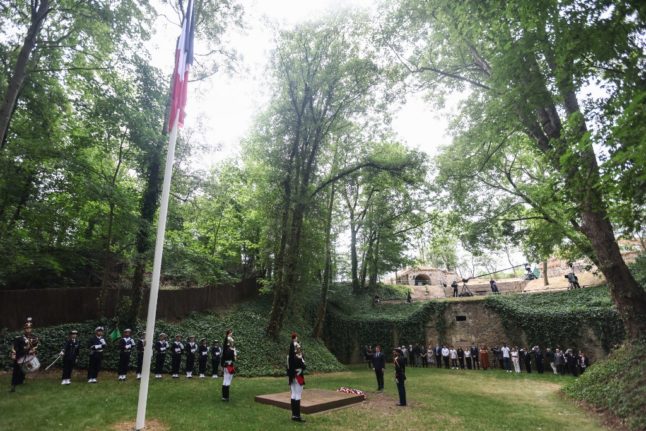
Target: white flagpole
point(154, 286)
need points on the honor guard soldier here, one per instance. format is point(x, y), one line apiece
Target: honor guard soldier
point(96, 345)
point(191, 352)
point(69, 352)
point(23, 352)
point(228, 367)
point(295, 369)
point(216, 354)
point(126, 346)
point(203, 357)
point(160, 349)
point(141, 343)
point(176, 355)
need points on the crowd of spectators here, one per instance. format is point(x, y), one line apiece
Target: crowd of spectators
point(510, 359)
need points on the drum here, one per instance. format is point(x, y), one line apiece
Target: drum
point(29, 364)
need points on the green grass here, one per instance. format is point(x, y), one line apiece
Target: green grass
point(438, 400)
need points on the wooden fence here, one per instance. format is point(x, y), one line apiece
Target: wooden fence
point(55, 306)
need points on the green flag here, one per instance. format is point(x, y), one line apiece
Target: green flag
point(115, 334)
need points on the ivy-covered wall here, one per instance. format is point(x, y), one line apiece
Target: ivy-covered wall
point(582, 319)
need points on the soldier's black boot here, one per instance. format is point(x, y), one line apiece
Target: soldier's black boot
point(297, 411)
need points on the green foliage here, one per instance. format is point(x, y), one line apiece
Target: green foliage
point(559, 318)
point(616, 385)
point(257, 355)
point(353, 321)
point(638, 268)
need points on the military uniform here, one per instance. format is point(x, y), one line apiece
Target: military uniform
point(96, 345)
point(191, 352)
point(69, 352)
point(22, 347)
point(160, 349)
point(227, 362)
point(177, 348)
point(126, 346)
point(216, 355)
point(202, 357)
point(296, 379)
point(141, 344)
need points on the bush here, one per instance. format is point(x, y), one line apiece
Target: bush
point(616, 385)
point(258, 355)
point(558, 318)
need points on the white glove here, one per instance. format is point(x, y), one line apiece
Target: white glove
point(62, 353)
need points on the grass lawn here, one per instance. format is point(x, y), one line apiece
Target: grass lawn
point(438, 400)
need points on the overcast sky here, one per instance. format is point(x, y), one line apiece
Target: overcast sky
point(223, 107)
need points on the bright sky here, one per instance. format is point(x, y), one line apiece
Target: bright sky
point(223, 107)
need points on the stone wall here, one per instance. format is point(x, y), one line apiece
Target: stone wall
point(467, 322)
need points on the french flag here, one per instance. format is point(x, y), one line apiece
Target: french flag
point(183, 62)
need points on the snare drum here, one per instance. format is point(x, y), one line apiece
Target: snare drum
point(29, 364)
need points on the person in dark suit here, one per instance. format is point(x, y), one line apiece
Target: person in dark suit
point(538, 357)
point(141, 343)
point(379, 364)
point(69, 352)
point(438, 355)
point(475, 356)
point(160, 349)
point(400, 376)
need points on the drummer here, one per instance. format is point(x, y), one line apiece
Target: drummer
point(23, 347)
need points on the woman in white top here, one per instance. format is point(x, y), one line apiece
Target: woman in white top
point(514, 359)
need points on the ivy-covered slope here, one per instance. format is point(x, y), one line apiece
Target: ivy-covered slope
point(352, 320)
point(617, 385)
point(257, 354)
point(559, 318)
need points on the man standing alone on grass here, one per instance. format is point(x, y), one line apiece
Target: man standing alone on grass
point(400, 376)
point(379, 364)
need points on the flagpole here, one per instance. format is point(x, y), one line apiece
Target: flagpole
point(154, 286)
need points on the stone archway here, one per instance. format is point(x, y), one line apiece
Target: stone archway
point(422, 279)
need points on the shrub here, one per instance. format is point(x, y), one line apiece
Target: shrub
point(617, 385)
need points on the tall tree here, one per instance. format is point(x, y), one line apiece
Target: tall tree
point(525, 65)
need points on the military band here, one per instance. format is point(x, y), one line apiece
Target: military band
point(228, 367)
point(69, 353)
point(23, 355)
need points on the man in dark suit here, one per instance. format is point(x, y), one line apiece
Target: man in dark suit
point(379, 364)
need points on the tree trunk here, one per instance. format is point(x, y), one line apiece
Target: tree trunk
point(628, 295)
point(150, 201)
point(546, 280)
point(39, 12)
point(374, 265)
point(354, 259)
point(327, 271)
